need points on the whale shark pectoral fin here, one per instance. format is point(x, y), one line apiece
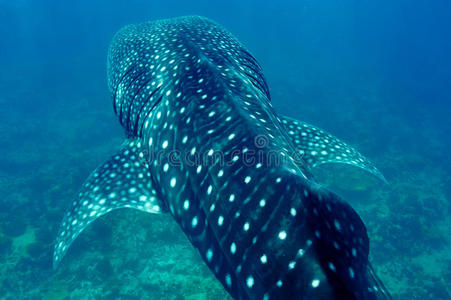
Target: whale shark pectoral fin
point(122, 181)
point(317, 147)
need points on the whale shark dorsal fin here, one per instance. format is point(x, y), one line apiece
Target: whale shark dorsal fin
point(318, 147)
point(122, 181)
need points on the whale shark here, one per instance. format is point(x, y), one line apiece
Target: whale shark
point(204, 144)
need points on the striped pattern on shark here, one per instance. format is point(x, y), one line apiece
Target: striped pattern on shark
point(205, 145)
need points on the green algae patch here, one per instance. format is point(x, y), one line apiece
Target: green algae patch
point(200, 296)
point(57, 293)
point(21, 242)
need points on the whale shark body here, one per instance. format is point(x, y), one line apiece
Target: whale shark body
point(205, 145)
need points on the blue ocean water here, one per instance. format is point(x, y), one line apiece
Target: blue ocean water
point(376, 74)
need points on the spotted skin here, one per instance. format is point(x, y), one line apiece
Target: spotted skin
point(213, 153)
point(122, 181)
point(318, 147)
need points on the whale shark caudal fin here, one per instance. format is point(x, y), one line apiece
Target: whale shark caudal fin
point(122, 181)
point(317, 147)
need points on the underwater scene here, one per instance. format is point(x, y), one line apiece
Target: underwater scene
point(374, 74)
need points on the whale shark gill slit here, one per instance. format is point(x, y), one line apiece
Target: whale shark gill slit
point(124, 108)
point(126, 88)
point(149, 111)
point(116, 89)
point(134, 102)
point(259, 82)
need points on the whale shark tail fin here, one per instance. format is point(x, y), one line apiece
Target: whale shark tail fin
point(318, 147)
point(122, 181)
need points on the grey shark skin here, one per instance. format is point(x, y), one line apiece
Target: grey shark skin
point(204, 144)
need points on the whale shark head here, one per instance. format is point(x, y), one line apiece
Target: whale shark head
point(205, 145)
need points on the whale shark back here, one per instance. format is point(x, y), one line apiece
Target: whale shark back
point(205, 145)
